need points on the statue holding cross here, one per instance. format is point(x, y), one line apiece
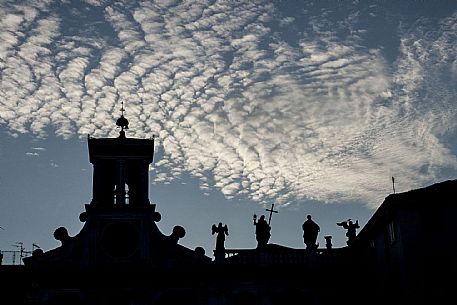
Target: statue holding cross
point(263, 228)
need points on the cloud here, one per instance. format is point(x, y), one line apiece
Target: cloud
point(239, 97)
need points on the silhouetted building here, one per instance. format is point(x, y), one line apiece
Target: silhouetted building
point(121, 257)
point(409, 246)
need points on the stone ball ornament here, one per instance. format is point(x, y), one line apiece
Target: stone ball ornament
point(61, 234)
point(83, 217)
point(178, 232)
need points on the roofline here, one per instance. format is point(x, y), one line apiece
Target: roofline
point(393, 201)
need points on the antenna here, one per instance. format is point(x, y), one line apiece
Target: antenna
point(393, 184)
point(20, 245)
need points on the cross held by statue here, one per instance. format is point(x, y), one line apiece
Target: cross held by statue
point(271, 212)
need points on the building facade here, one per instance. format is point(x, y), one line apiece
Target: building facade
point(402, 256)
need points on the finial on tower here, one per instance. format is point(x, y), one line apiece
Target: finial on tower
point(122, 122)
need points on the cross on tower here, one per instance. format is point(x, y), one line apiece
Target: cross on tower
point(122, 108)
point(122, 121)
point(271, 212)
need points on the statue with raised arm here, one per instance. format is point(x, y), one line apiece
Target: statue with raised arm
point(221, 231)
point(351, 229)
point(262, 231)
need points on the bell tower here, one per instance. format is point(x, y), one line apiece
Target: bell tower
point(120, 169)
point(120, 220)
point(120, 247)
point(120, 231)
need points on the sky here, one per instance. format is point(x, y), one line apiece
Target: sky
point(309, 105)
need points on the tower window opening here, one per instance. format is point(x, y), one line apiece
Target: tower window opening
point(122, 196)
point(127, 194)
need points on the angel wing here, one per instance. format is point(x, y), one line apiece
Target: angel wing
point(226, 230)
point(213, 229)
point(343, 224)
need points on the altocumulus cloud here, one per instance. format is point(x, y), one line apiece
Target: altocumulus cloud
point(250, 99)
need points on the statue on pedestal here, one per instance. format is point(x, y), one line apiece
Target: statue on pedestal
point(221, 231)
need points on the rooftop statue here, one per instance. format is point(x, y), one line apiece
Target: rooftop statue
point(351, 229)
point(310, 232)
point(221, 232)
point(262, 231)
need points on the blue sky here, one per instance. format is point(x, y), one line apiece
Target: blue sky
point(313, 106)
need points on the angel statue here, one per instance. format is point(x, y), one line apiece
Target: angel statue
point(351, 229)
point(221, 232)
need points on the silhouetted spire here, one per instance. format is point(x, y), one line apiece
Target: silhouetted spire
point(122, 122)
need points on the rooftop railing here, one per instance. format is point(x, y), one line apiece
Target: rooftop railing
point(288, 256)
